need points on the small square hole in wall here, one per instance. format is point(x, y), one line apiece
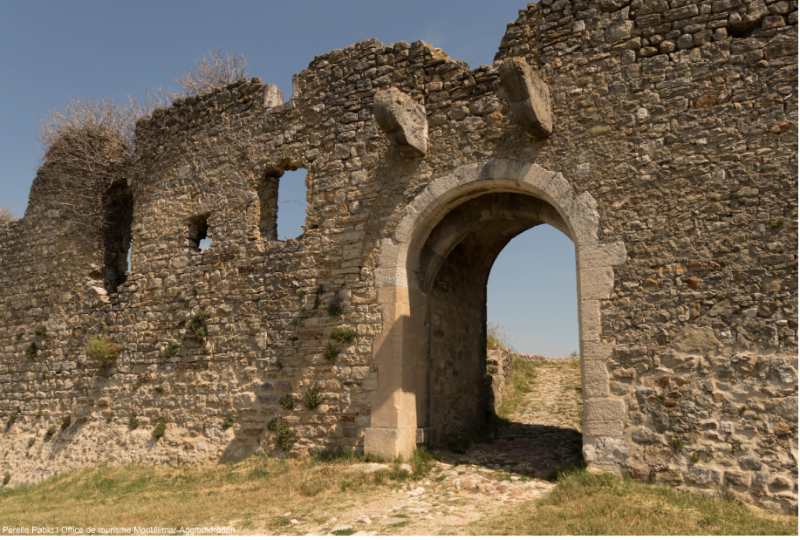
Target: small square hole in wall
point(199, 237)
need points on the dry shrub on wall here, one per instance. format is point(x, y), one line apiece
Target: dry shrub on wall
point(90, 158)
point(216, 70)
point(6, 216)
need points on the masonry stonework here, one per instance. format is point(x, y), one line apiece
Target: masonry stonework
point(660, 136)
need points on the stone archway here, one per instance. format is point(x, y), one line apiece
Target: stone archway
point(412, 258)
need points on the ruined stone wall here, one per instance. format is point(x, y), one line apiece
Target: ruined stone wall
point(678, 118)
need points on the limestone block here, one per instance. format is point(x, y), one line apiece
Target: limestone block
point(273, 97)
point(694, 339)
point(403, 120)
point(589, 320)
point(594, 380)
point(603, 417)
point(644, 435)
point(596, 283)
point(605, 451)
point(618, 31)
point(704, 476)
point(593, 256)
point(390, 442)
point(595, 352)
point(244, 400)
point(529, 97)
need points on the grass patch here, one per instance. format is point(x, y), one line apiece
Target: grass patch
point(343, 335)
point(102, 350)
point(523, 379)
point(313, 397)
point(586, 504)
point(130, 495)
point(197, 326)
point(331, 353)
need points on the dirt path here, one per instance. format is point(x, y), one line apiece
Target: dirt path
point(544, 436)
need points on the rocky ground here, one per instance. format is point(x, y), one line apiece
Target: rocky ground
point(519, 465)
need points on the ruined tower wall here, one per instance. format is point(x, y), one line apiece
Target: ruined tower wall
point(678, 118)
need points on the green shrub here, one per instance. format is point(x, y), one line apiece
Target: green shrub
point(6, 479)
point(313, 397)
point(19, 336)
point(39, 413)
point(160, 430)
point(66, 422)
point(102, 350)
point(272, 425)
point(197, 326)
point(227, 423)
point(286, 438)
point(330, 353)
point(31, 441)
point(137, 385)
point(334, 310)
point(133, 422)
point(31, 349)
point(12, 419)
point(287, 402)
point(343, 335)
point(159, 389)
point(41, 330)
point(110, 417)
point(695, 457)
point(317, 302)
point(51, 431)
point(170, 350)
point(677, 444)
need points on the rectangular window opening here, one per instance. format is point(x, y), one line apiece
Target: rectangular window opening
point(198, 234)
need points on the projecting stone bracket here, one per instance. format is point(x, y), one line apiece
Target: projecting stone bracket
point(529, 97)
point(403, 120)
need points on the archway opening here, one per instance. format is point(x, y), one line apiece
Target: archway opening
point(466, 383)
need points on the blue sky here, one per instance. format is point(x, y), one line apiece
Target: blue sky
point(54, 49)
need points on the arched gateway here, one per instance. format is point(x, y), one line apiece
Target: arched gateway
point(432, 273)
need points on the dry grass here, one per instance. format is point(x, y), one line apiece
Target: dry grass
point(523, 379)
point(212, 72)
point(6, 215)
point(585, 504)
point(253, 494)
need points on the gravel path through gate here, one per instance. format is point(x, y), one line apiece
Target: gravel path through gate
point(544, 435)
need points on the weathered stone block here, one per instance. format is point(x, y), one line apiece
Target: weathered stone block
point(529, 97)
point(403, 120)
point(603, 417)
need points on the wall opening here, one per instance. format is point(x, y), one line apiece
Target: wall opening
point(292, 204)
point(117, 236)
point(532, 293)
point(447, 241)
point(198, 235)
point(464, 377)
point(282, 201)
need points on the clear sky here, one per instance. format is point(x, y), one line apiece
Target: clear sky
point(54, 49)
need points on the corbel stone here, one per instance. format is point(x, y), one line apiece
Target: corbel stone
point(529, 97)
point(403, 120)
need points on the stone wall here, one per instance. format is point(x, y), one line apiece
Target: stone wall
point(660, 136)
point(499, 369)
point(540, 358)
